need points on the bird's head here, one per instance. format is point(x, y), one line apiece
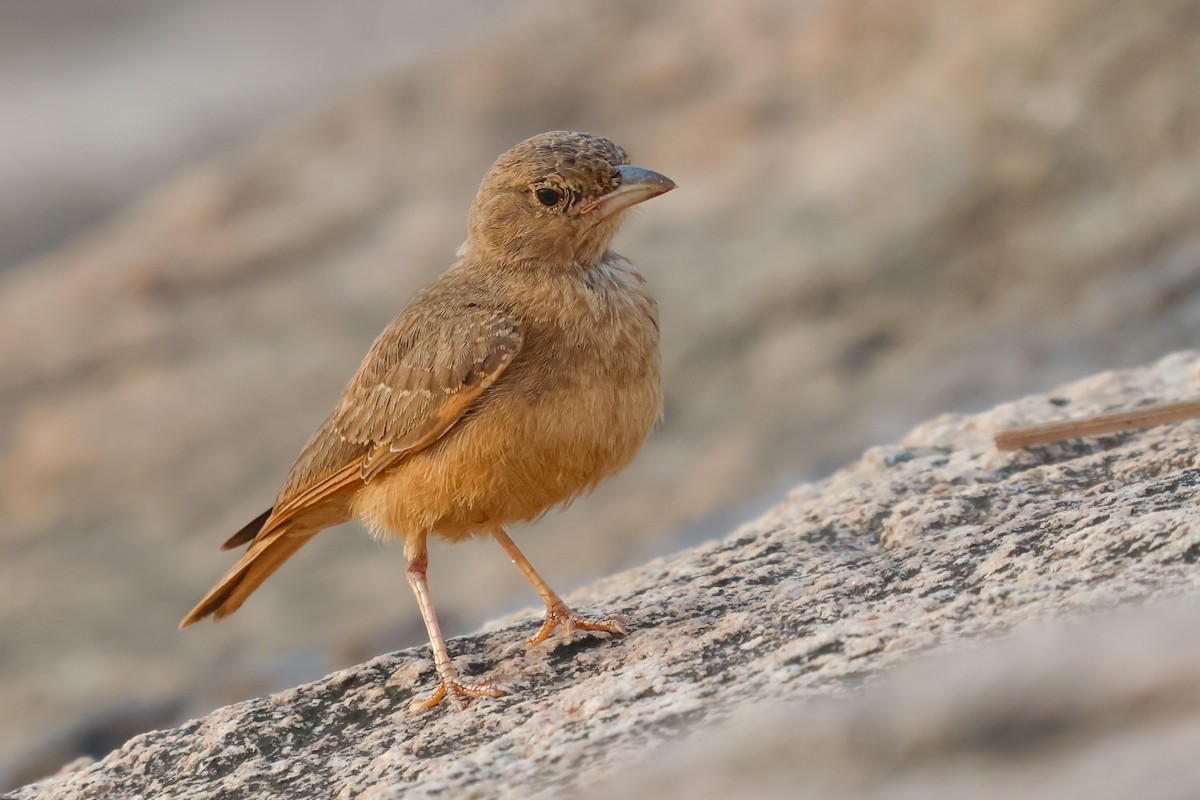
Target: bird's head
point(556, 200)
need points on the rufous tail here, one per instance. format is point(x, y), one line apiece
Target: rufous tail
point(254, 567)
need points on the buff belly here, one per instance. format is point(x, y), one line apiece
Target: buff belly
point(512, 461)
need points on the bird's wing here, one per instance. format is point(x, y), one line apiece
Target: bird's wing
point(419, 379)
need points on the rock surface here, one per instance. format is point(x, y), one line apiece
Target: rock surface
point(1107, 708)
point(930, 543)
point(888, 209)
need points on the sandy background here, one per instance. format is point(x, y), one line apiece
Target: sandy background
point(208, 210)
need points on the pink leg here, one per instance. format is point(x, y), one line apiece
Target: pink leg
point(557, 612)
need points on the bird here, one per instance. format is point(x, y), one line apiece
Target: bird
point(517, 380)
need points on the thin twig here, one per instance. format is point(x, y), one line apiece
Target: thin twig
point(1027, 436)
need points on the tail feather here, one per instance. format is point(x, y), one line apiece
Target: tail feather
point(254, 567)
point(248, 532)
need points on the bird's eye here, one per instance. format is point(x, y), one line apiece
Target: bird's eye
point(548, 197)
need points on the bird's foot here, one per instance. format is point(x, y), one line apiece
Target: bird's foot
point(457, 691)
point(571, 622)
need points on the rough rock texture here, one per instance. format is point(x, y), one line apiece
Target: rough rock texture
point(928, 543)
point(1107, 709)
point(887, 209)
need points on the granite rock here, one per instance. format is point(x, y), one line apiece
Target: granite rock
point(1107, 707)
point(928, 544)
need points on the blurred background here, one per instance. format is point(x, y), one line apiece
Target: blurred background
point(887, 209)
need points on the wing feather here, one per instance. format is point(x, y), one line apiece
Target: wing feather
point(419, 379)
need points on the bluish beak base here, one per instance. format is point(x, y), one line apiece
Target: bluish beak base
point(637, 185)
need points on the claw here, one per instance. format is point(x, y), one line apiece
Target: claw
point(457, 691)
point(572, 622)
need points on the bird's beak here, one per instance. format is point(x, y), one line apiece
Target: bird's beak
point(637, 184)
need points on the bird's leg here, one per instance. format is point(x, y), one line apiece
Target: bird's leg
point(557, 612)
point(449, 684)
